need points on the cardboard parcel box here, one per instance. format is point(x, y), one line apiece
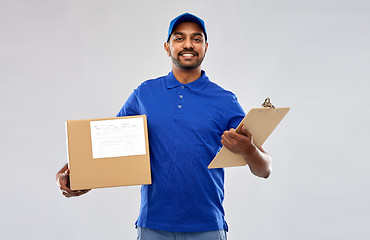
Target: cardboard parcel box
point(108, 152)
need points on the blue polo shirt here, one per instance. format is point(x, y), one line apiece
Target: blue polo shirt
point(185, 124)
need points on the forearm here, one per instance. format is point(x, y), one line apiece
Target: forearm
point(259, 163)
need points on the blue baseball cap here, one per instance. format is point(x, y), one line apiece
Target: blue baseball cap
point(186, 17)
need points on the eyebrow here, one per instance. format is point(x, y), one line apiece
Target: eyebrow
point(182, 34)
point(198, 34)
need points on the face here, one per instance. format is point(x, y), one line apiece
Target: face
point(187, 46)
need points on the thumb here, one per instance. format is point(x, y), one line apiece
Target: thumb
point(246, 132)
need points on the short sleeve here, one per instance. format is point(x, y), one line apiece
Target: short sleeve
point(235, 113)
point(131, 106)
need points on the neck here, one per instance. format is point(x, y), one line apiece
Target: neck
point(186, 76)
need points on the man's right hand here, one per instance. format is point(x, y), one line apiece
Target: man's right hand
point(62, 179)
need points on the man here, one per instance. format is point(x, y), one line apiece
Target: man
point(187, 114)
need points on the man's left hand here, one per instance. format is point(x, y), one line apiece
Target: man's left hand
point(239, 143)
point(242, 143)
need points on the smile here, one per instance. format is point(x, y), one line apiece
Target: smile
point(188, 54)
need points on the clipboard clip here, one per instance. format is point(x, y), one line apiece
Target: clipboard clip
point(267, 104)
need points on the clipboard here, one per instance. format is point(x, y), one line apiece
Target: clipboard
point(260, 122)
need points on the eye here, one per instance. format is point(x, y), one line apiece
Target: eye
point(197, 39)
point(178, 39)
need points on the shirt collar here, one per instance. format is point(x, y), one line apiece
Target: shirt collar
point(196, 85)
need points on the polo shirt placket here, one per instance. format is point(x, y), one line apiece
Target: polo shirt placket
point(180, 101)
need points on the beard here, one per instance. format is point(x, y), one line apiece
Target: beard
point(178, 63)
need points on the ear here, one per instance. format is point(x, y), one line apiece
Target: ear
point(206, 47)
point(167, 48)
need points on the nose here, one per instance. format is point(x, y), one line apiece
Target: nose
point(188, 43)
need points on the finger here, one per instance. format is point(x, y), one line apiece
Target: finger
point(67, 171)
point(65, 190)
point(231, 135)
point(75, 193)
point(71, 193)
point(63, 181)
point(246, 132)
point(226, 144)
point(66, 194)
point(234, 135)
point(225, 140)
point(81, 192)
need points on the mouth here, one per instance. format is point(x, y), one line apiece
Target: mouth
point(188, 54)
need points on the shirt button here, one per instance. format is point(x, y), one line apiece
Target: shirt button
point(182, 87)
point(181, 96)
point(179, 106)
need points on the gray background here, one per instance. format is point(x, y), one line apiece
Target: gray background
point(79, 59)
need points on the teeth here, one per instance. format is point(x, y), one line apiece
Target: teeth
point(188, 55)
